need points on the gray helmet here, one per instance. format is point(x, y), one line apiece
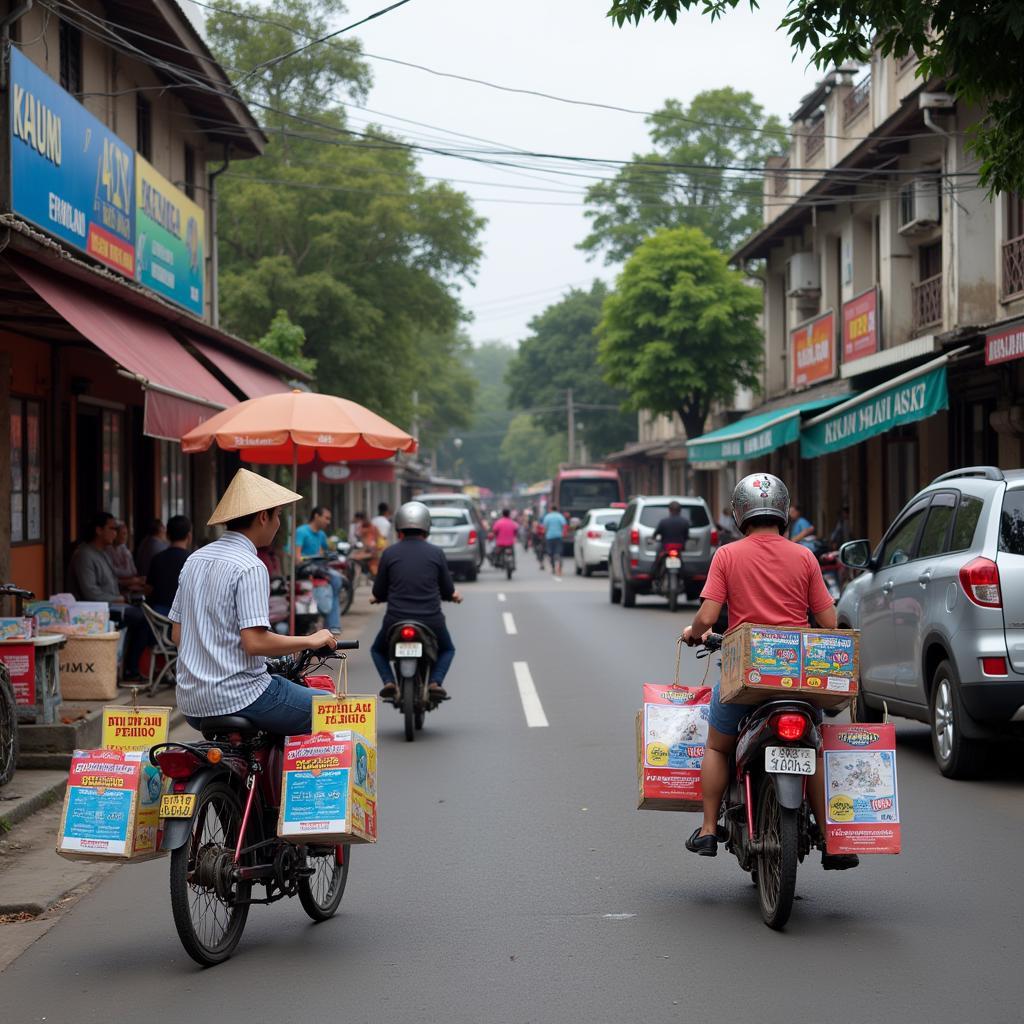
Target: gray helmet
point(413, 515)
point(760, 494)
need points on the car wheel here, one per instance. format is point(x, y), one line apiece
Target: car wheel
point(628, 594)
point(957, 756)
point(614, 592)
point(862, 712)
point(588, 570)
point(470, 573)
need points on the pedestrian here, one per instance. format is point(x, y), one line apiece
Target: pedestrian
point(841, 532)
point(166, 566)
point(382, 522)
point(311, 545)
point(555, 525)
point(726, 526)
point(120, 557)
point(801, 529)
point(152, 544)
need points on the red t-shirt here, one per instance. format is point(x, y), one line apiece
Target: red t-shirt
point(766, 579)
point(505, 531)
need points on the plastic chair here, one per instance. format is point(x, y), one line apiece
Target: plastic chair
point(163, 647)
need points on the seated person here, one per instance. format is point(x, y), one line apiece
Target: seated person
point(120, 557)
point(166, 566)
point(152, 544)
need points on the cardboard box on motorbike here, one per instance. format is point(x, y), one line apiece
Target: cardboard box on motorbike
point(671, 733)
point(762, 663)
point(329, 789)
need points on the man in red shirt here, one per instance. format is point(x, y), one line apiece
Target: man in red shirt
point(763, 578)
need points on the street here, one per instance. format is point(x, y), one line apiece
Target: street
point(515, 881)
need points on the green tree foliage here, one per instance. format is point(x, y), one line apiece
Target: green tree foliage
point(976, 45)
point(561, 352)
point(680, 331)
point(286, 340)
point(721, 128)
point(446, 392)
point(340, 230)
point(531, 452)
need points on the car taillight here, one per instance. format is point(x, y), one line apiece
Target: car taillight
point(789, 726)
point(178, 764)
point(472, 537)
point(993, 666)
point(714, 538)
point(594, 534)
point(980, 580)
point(634, 536)
point(408, 633)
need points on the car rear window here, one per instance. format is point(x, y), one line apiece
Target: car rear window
point(607, 517)
point(653, 514)
point(448, 521)
point(967, 517)
point(1011, 523)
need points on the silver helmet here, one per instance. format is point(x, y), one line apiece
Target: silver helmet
point(760, 494)
point(413, 515)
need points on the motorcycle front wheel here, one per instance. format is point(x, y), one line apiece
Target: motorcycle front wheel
point(777, 860)
point(320, 893)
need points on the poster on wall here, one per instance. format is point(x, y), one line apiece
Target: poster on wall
point(169, 243)
point(812, 348)
point(860, 325)
point(70, 175)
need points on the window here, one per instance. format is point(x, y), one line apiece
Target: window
point(936, 529)
point(967, 517)
point(190, 172)
point(175, 480)
point(111, 457)
point(445, 522)
point(929, 261)
point(605, 518)
point(653, 514)
point(899, 545)
point(70, 39)
point(144, 127)
point(1014, 215)
point(26, 472)
point(1011, 523)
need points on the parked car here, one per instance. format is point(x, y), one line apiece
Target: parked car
point(455, 533)
point(593, 540)
point(634, 549)
point(940, 607)
point(441, 500)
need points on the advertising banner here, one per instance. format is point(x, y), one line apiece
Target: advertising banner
point(860, 325)
point(1005, 345)
point(812, 347)
point(20, 660)
point(70, 175)
point(170, 232)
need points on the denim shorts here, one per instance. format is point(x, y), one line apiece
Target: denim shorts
point(284, 708)
point(726, 718)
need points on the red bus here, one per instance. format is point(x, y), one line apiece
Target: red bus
point(576, 491)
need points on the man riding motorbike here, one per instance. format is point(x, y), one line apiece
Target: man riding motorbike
point(671, 529)
point(766, 579)
point(221, 616)
point(412, 580)
point(504, 532)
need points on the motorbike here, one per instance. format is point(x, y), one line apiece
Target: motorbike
point(765, 811)
point(8, 704)
point(504, 558)
point(668, 573)
point(220, 826)
point(309, 595)
point(412, 651)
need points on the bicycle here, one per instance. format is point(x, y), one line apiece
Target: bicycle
point(8, 703)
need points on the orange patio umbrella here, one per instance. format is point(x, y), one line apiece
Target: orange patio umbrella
point(296, 427)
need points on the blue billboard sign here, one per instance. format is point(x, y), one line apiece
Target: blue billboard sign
point(70, 175)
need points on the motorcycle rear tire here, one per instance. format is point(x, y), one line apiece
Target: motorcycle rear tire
point(346, 596)
point(8, 730)
point(323, 907)
point(409, 708)
point(777, 862)
point(673, 597)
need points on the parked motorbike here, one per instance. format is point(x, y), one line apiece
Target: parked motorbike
point(765, 812)
point(668, 573)
point(220, 825)
point(8, 703)
point(412, 651)
point(309, 599)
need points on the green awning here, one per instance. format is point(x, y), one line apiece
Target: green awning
point(910, 397)
point(756, 435)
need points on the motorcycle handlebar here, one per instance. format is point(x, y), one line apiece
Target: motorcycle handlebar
point(711, 644)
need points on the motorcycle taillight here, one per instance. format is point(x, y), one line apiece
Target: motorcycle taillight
point(789, 726)
point(408, 633)
point(178, 764)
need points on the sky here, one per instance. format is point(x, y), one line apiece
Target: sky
point(568, 48)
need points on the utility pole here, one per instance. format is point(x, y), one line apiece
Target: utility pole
point(572, 424)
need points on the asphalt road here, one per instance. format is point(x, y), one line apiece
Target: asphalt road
point(514, 880)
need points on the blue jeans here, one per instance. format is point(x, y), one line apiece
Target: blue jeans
point(554, 548)
point(334, 615)
point(445, 650)
point(284, 708)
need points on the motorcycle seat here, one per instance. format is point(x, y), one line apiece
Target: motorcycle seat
point(218, 725)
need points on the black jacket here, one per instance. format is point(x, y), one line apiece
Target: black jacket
point(673, 530)
point(413, 579)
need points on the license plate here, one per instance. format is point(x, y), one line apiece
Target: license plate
point(444, 540)
point(789, 760)
point(673, 563)
point(177, 805)
point(408, 650)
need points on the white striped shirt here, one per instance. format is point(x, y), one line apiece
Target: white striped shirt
point(224, 588)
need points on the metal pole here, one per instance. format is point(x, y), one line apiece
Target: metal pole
point(295, 516)
point(572, 425)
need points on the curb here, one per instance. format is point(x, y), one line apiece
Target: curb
point(27, 806)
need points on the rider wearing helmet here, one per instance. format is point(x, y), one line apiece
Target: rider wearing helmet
point(763, 578)
point(412, 580)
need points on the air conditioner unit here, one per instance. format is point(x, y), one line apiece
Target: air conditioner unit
point(803, 274)
point(920, 208)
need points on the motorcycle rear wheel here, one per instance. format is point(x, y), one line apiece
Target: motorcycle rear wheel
point(777, 861)
point(673, 597)
point(8, 729)
point(320, 893)
point(409, 708)
point(208, 926)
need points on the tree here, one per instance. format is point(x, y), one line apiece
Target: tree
point(721, 129)
point(530, 452)
point(561, 352)
point(680, 332)
point(285, 340)
point(975, 45)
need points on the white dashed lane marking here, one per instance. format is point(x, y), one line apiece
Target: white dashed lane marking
point(510, 623)
point(532, 707)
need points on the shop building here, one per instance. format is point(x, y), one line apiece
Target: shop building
point(117, 122)
point(892, 289)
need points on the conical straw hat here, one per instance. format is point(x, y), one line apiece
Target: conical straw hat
point(247, 493)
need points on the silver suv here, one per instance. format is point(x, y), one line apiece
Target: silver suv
point(634, 550)
point(940, 607)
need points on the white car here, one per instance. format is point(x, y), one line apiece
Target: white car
point(593, 540)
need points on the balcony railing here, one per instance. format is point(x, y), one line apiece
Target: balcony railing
point(815, 138)
point(927, 299)
point(857, 100)
point(1013, 267)
point(781, 178)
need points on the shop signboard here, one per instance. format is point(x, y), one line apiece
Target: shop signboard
point(812, 348)
point(860, 325)
point(70, 175)
point(170, 231)
point(1005, 345)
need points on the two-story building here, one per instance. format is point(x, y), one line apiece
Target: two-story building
point(117, 121)
point(892, 284)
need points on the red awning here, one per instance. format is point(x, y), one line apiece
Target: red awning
point(357, 472)
point(142, 346)
point(254, 381)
